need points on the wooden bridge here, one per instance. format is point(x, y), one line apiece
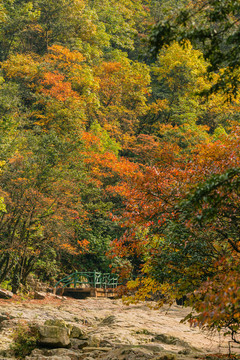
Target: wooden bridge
point(80, 285)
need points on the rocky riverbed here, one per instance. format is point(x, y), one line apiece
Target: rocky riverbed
point(107, 329)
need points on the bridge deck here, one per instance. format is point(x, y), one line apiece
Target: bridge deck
point(82, 293)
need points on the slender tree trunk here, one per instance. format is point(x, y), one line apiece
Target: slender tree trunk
point(5, 267)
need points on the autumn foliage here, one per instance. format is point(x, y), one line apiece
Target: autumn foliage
point(114, 161)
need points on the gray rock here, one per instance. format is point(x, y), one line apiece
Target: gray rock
point(155, 348)
point(109, 320)
point(129, 354)
point(166, 357)
point(56, 322)
point(5, 294)
point(91, 349)
point(106, 343)
point(9, 324)
point(42, 357)
point(65, 354)
point(77, 333)
point(39, 295)
point(78, 344)
point(172, 340)
point(73, 355)
point(53, 336)
point(5, 317)
point(94, 340)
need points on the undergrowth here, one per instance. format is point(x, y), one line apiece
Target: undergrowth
point(25, 339)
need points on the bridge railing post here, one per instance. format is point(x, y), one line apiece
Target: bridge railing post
point(75, 279)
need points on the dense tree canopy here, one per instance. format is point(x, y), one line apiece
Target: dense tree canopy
point(111, 160)
point(213, 26)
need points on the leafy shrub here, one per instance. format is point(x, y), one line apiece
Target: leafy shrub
point(25, 339)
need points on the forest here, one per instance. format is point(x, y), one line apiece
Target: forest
point(120, 148)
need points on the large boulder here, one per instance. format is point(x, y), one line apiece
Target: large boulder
point(53, 336)
point(56, 322)
point(5, 294)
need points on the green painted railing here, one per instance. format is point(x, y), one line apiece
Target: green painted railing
point(93, 279)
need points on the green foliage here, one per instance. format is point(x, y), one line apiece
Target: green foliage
point(24, 340)
point(46, 267)
point(120, 20)
point(212, 24)
point(2, 205)
point(105, 142)
point(177, 76)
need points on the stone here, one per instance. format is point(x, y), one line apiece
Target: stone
point(78, 344)
point(9, 324)
point(94, 341)
point(39, 295)
point(77, 333)
point(4, 317)
point(42, 357)
point(106, 343)
point(184, 352)
point(5, 294)
point(166, 357)
point(154, 348)
point(66, 354)
point(73, 355)
point(53, 336)
point(56, 322)
point(91, 349)
point(171, 340)
point(127, 353)
point(109, 320)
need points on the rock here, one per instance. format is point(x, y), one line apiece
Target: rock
point(78, 344)
point(57, 296)
point(184, 352)
point(5, 294)
point(129, 354)
point(39, 295)
point(154, 348)
point(92, 348)
point(109, 320)
point(42, 357)
point(77, 333)
point(94, 341)
point(106, 343)
point(63, 354)
point(9, 324)
point(5, 316)
point(57, 322)
point(166, 357)
point(53, 336)
point(171, 340)
point(73, 355)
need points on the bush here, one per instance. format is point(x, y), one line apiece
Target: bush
point(25, 339)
